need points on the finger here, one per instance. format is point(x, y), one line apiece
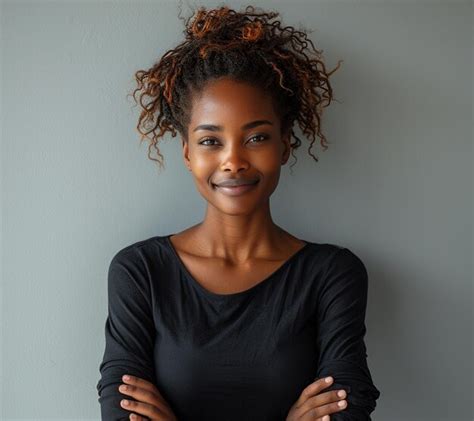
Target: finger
point(142, 409)
point(321, 411)
point(140, 394)
point(141, 383)
point(322, 403)
point(324, 400)
point(313, 389)
point(135, 417)
point(146, 396)
point(138, 382)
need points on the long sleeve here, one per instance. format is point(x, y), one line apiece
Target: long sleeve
point(129, 333)
point(341, 330)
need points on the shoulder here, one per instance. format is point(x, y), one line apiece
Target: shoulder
point(336, 266)
point(345, 274)
point(141, 262)
point(136, 266)
point(330, 256)
point(140, 251)
point(344, 258)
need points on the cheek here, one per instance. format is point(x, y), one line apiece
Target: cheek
point(270, 157)
point(269, 165)
point(202, 166)
point(202, 173)
point(272, 182)
point(271, 169)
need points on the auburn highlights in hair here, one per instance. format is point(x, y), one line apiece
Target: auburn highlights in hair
point(249, 46)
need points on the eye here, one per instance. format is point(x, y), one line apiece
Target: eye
point(261, 136)
point(207, 139)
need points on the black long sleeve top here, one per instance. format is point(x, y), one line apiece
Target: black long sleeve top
point(241, 356)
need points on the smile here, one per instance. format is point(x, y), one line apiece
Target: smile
point(236, 190)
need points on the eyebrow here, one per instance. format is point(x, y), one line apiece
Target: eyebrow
point(247, 126)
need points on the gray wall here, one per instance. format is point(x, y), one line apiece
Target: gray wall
point(395, 186)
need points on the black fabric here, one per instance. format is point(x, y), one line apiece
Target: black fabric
point(242, 356)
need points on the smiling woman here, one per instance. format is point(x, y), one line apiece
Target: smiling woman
point(234, 318)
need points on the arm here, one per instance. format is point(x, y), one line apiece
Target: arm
point(341, 330)
point(129, 333)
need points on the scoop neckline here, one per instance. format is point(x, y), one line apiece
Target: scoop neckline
point(245, 292)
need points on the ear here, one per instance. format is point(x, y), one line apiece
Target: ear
point(185, 152)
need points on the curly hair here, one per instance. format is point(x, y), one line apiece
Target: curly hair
point(249, 47)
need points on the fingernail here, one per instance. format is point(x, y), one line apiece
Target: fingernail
point(125, 402)
point(328, 379)
point(342, 404)
point(126, 377)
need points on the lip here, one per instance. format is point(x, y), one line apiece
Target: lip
point(233, 182)
point(236, 190)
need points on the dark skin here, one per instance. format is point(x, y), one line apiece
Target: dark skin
point(237, 240)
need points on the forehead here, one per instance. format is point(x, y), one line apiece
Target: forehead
point(226, 100)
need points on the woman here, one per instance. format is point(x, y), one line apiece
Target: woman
point(234, 317)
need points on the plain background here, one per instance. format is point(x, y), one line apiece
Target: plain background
point(395, 186)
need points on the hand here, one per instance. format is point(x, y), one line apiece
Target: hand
point(313, 405)
point(149, 403)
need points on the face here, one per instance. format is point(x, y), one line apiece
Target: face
point(234, 133)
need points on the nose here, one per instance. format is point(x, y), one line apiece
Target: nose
point(235, 158)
